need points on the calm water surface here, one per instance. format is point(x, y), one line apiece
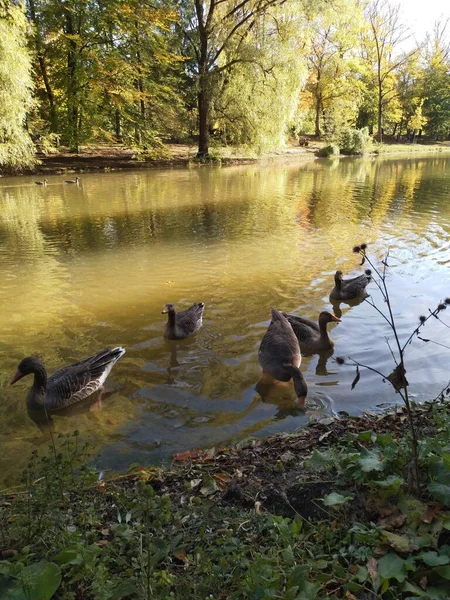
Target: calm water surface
point(90, 266)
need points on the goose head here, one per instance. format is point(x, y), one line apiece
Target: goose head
point(169, 307)
point(28, 365)
point(300, 387)
point(326, 317)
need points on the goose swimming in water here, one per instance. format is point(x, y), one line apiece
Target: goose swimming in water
point(349, 289)
point(313, 337)
point(68, 385)
point(279, 355)
point(184, 323)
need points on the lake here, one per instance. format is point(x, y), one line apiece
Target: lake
point(91, 266)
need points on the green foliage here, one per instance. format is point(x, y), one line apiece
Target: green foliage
point(354, 141)
point(125, 539)
point(16, 147)
point(330, 150)
point(38, 581)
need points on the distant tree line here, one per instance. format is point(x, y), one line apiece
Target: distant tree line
point(241, 72)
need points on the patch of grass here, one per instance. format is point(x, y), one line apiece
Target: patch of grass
point(295, 517)
point(411, 148)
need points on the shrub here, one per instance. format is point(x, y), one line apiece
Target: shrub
point(354, 141)
point(330, 150)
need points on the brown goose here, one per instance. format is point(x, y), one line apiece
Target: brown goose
point(44, 183)
point(349, 289)
point(68, 385)
point(184, 323)
point(313, 337)
point(75, 181)
point(279, 354)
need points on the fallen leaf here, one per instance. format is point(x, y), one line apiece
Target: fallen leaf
point(287, 457)
point(393, 521)
point(424, 583)
point(188, 455)
point(180, 555)
point(350, 596)
point(430, 512)
point(222, 478)
point(372, 568)
point(209, 486)
point(398, 542)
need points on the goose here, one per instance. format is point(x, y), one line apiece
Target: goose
point(279, 354)
point(44, 183)
point(349, 289)
point(184, 323)
point(68, 385)
point(75, 181)
point(313, 337)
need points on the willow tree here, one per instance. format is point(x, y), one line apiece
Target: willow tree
point(256, 102)
point(215, 34)
point(16, 147)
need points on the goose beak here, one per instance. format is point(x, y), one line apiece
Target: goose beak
point(335, 319)
point(301, 401)
point(164, 311)
point(16, 377)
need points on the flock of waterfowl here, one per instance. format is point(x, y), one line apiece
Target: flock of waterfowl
point(75, 181)
point(279, 353)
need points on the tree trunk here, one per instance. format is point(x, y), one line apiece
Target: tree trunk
point(72, 91)
point(203, 126)
point(395, 129)
point(317, 131)
point(380, 113)
point(117, 124)
point(43, 69)
point(399, 135)
point(204, 89)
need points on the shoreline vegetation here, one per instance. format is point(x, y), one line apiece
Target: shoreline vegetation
point(105, 158)
point(322, 513)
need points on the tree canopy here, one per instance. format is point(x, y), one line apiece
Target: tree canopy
point(241, 72)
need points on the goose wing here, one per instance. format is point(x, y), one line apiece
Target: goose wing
point(279, 345)
point(356, 285)
point(301, 323)
point(190, 320)
point(79, 380)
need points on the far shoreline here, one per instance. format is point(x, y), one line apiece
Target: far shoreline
point(119, 158)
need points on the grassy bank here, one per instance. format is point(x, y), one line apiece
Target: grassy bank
point(419, 148)
point(113, 158)
point(324, 513)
